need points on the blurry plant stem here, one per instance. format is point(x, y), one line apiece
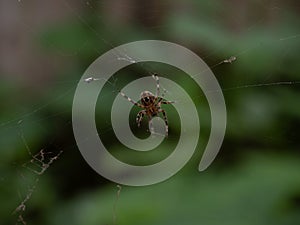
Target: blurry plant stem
point(115, 205)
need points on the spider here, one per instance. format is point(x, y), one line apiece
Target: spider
point(151, 105)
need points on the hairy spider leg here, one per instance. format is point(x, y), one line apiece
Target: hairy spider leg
point(140, 116)
point(159, 99)
point(132, 101)
point(155, 77)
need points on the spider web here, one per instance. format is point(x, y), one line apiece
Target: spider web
point(36, 158)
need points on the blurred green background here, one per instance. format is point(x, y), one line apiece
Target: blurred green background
point(46, 46)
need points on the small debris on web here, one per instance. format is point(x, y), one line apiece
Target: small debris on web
point(90, 79)
point(230, 60)
point(39, 161)
point(127, 58)
point(38, 164)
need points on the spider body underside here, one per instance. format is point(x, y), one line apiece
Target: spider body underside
point(151, 105)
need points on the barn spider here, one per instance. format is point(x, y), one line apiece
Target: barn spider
point(151, 105)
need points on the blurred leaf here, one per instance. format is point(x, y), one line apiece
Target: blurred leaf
point(258, 192)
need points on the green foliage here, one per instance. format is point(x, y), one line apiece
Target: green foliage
point(255, 178)
point(261, 190)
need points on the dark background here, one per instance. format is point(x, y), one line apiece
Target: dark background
point(46, 46)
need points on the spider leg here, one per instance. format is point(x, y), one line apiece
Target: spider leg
point(155, 77)
point(140, 116)
point(130, 100)
point(160, 99)
point(164, 92)
point(166, 120)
